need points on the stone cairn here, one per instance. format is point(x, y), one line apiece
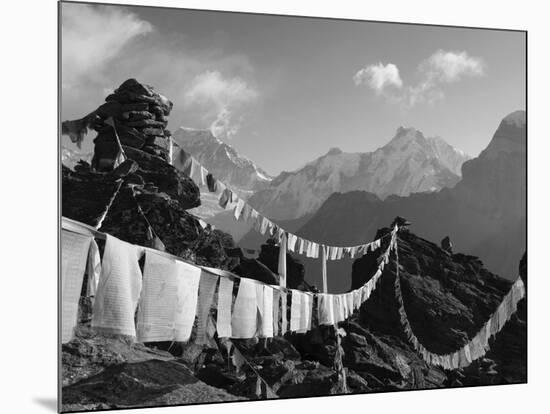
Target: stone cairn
point(140, 115)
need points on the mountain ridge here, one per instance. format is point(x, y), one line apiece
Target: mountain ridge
point(233, 168)
point(408, 163)
point(484, 214)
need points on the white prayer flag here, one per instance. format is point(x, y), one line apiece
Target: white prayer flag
point(325, 308)
point(244, 318)
point(295, 310)
point(168, 299)
point(264, 296)
point(239, 209)
point(74, 252)
point(207, 288)
point(93, 268)
point(305, 312)
point(119, 288)
point(225, 297)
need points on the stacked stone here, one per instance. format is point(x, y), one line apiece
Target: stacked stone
point(141, 117)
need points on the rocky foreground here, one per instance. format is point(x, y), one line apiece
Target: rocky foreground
point(447, 296)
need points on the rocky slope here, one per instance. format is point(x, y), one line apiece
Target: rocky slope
point(409, 163)
point(448, 298)
point(484, 214)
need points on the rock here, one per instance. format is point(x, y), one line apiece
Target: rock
point(152, 131)
point(128, 137)
point(254, 269)
point(146, 122)
point(136, 115)
point(167, 178)
point(147, 383)
point(446, 245)
point(269, 256)
point(109, 109)
point(161, 142)
point(138, 106)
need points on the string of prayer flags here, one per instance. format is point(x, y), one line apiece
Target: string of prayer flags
point(168, 299)
point(476, 346)
point(119, 288)
point(243, 211)
point(74, 254)
point(174, 292)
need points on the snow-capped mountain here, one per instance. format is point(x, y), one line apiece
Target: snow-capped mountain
point(484, 214)
point(70, 158)
point(409, 163)
point(223, 161)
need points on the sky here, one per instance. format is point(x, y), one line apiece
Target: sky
point(284, 90)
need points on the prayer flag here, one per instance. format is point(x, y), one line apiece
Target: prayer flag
point(244, 318)
point(74, 252)
point(168, 299)
point(207, 288)
point(225, 297)
point(119, 288)
point(295, 310)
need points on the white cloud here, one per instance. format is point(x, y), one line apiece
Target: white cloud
point(379, 77)
point(93, 35)
point(442, 67)
point(220, 98)
point(452, 66)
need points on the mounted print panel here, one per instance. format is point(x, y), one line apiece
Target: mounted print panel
point(265, 206)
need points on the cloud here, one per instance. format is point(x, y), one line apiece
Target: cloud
point(441, 68)
point(92, 36)
point(102, 46)
point(379, 77)
point(450, 67)
point(220, 97)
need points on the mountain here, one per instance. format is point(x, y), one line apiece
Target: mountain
point(484, 214)
point(70, 158)
point(223, 161)
point(409, 163)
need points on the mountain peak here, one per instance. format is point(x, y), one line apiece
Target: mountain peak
point(334, 151)
point(408, 132)
point(516, 118)
point(222, 159)
point(409, 163)
point(510, 136)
